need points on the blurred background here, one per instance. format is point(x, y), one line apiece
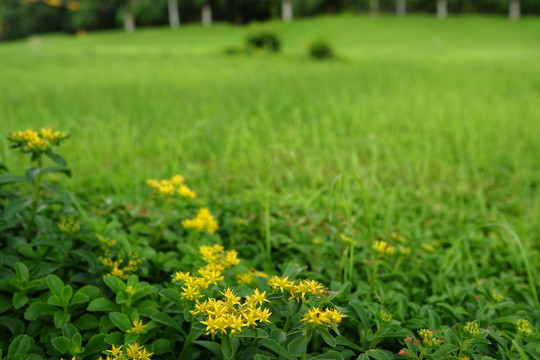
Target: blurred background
point(19, 18)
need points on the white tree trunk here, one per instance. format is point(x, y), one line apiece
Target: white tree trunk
point(174, 16)
point(286, 10)
point(401, 7)
point(442, 9)
point(129, 19)
point(374, 8)
point(514, 10)
point(206, 14)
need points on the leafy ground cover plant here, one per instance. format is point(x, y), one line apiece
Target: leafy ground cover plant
point(162, 282)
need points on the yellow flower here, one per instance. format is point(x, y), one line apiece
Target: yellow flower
point(244, 279)
point(211, 325)
point(385, 317)
point(283, 284)
point(523, 327)
point(472, 329)
point(116, 350)
point(191, 292)
point(177, 180)
point(316, 317)
point(383, 248)
point(137, 328)
point(428, 338)
point(186, 192)
point(203, 221)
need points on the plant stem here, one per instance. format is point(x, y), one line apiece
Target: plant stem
point(373, 277)
point(267, 232)
point(37, 185)
point(186, 342)
point(164, 222)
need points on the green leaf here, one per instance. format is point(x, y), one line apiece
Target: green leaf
point(213, 346)
point(102, 304)
point(19, 300)
point(62, 194)
point(89, 290)
point(378, 355)
point(434, 320)
point(25, 250)
point(76, 340)
point(56, 158)
point(120, 320)
point(57, 169)
point(38, 309)
point(226, 347)
point(67, 293)
point(31, 174)
point(445, 349)
point(54, 300)
point(86, 322)
point(61, 318)
point(343, 341)
point(79, 298)
point(95, 345)
point(114, 283)
point(15, 207)
point(171, 294)
point(145, 291)
point(327, 337)
point(277, 348)
point(166, 319)
point(56, 285)
point(21, 272)
point(298, 346)
point(8, 179)
point(19, 346)
point(61, 344)
point(329, 355)
point(115, 338)
point(358, 308)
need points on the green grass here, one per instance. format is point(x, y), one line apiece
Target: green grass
point(437, 119)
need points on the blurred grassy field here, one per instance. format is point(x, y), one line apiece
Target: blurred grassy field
point(437, 120)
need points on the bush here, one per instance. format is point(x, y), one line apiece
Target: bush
point(320, 50)
point(264, 41)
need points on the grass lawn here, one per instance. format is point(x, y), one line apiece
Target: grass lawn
point(437, 119)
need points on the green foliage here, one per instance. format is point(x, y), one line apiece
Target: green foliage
point(320, 50)
point(75, 287)
point(264, 40)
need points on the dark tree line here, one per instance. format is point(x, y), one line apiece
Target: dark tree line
point(19, 18)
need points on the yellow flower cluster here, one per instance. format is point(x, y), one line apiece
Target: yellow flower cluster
point(523, 327)
point(217, 260)
point(69, 226)
point(171, 186)
point(472, 328)
point(299, 290)
point(384, 316)
point(137, 327)
point(203, 221)
point(496, 296)
point(383, 248)
point(247, 278)
point(230, 315)
point(31, 141)
point(123, 266)
point(398, 237)
point(326, 317)
point(132, 352)
point(428, 338)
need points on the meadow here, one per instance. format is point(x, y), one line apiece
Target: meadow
point(422, 134)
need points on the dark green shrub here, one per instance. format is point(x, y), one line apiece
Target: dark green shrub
point(320, 50)
point(264, 41)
